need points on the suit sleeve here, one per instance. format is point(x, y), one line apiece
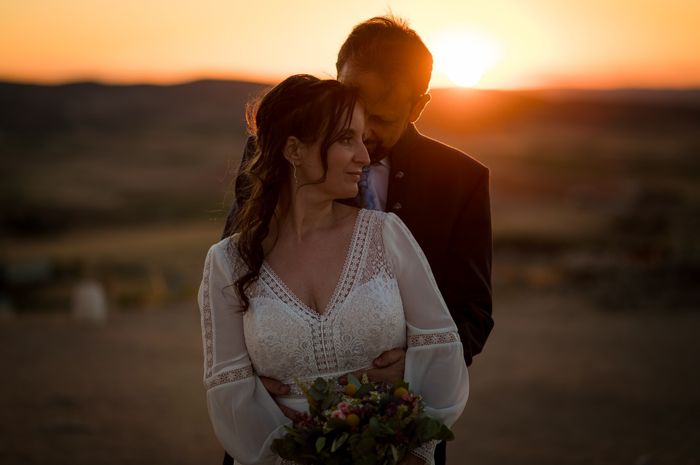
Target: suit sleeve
point(240, 189)
point(467, 288)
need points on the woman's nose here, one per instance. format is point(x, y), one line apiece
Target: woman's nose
point(362, 155)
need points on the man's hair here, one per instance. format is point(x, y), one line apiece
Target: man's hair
point(387, 46)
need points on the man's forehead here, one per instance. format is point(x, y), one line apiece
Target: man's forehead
point(376, 93)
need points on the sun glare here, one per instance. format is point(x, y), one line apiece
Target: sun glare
point(464, 57)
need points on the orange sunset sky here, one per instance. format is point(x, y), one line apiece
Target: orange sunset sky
point(490, 44)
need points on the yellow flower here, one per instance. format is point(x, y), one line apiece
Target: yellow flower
point(350, 389)
point(353, 420)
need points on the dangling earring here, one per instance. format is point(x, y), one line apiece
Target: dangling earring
point(296, 180)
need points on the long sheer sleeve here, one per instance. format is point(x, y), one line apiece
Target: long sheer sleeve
point(435, 366)
point(244, 416)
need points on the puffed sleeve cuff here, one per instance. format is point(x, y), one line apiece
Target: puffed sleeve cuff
point(244, 416)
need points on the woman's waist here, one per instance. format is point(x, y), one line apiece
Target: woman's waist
point(298, 384)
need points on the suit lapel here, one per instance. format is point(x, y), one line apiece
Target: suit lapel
point(410, 198)
point(402, 173)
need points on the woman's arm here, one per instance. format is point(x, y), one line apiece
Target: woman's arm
point(435, 366)
point(245, 417)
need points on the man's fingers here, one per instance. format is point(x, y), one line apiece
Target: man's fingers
point(389, 358)
point(390, 372)
point(289, 412)
point(277, 388)
point(372, 374)
point(274, 386)
point(387, 375)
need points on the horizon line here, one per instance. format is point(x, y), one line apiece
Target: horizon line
point(272, 82)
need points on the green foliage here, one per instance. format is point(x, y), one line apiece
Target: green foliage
point(385, 426)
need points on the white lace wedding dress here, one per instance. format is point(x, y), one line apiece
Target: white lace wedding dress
point(386, 297)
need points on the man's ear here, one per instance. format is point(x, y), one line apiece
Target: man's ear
point(294, 151)
point(418, 107)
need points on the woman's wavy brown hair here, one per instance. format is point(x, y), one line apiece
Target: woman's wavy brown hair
point(310, 109)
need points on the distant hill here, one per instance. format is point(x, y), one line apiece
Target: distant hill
point(459, 110)
point(44, 108)
point(206, 103)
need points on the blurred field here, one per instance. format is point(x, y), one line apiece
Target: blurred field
point(559, 383)
point(596, 214)
point(591, 189)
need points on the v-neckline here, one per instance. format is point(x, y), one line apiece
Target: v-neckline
point(332, 301)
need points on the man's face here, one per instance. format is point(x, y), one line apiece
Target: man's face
point(387, 107)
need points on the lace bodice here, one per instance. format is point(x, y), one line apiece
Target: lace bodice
point(288, 340)
point(386, 297)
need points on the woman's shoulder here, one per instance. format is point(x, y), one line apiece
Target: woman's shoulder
point(226, 251)
point(381, 218)
point(224, 244)
point(387, 227)
point(375, 215)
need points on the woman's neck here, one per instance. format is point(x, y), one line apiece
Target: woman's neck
point(304, 213)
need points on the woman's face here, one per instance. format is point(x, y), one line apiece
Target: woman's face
point(346, 157)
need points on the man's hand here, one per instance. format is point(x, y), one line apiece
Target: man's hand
point(277, 388)
point(388, 367)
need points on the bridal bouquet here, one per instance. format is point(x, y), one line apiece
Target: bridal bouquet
point(361, 423)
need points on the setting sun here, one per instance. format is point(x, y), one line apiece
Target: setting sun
point(464, 57)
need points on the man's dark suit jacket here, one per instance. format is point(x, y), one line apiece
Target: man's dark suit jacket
point(442, 195)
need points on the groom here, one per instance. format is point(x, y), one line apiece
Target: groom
point(440, 193)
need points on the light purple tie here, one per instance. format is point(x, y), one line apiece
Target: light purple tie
point(367, 192)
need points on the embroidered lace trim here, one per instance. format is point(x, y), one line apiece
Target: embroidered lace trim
point(207, 322)
point(347, 275)
point(354, 258)
point(374, 257)
point(230, 376)
point(207, 328)
point(426, 451)
point(418, 340)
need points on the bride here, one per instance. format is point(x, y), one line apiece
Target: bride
point(307, 286)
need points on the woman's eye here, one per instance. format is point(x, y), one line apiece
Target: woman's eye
point(380, 121)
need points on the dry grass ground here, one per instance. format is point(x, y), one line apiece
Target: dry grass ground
point(560, 383)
